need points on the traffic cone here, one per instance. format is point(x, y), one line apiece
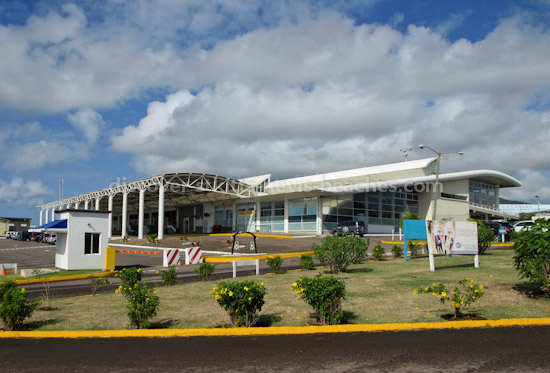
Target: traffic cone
point(3, 270)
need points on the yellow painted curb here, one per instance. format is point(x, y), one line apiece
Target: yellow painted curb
point(506, 244)
point(261, 257)
point(64, 278)
point(282, 330)
point(230, 235)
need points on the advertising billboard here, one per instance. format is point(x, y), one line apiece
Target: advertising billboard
point(451, 237)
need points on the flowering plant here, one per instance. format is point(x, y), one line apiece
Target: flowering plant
point(241, 300)
point(324, 294)
point(129, 276)
point(275, 263)
point(143, 303)
point(469, 293)
point(14, 306)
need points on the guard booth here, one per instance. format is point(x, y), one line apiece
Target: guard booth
point(82, 238)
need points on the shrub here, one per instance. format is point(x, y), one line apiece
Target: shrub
point(339, 252)
point(241, 300)
point(97, 282)
point(275, 263)
point(378, 252)
point(306, 262)
point(532, 254)
point(169, 276)
point(412, 250)
point(397, 251)
point(129, 276)
point(484, 236)
point(408, 215)
point(469, 293)
point(6, 286)
point(205, 270)
point(152, 237)
point(324, 294)
point(15, 308)
point(143, 303)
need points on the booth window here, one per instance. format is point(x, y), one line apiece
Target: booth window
point(91, 243)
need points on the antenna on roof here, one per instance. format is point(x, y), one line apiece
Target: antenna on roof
point(405, 153)
point(61, 187)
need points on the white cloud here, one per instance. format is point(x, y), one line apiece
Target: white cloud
point(20, 193)
point(24, 156)
point(89, 121)
point(296, 100)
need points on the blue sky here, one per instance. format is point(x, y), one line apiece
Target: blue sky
point(99, 91)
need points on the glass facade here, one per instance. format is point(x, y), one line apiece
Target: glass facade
point(484, 194)
point(373, 208)
point(223, 216)
point(302, 214)
point(272, 216)
point(246, 217)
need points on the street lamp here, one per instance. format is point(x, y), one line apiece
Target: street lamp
point(538, 203)
point(436, 189)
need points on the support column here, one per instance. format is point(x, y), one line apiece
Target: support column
point(46, 216)
point(53, 213)
point(319, 216)
point(86, 203)
point(161, 213)
point(286, 215)
point(97, 204)
point(110, 219)
point(76, 205)
point(41, 211)
point(124, 214)
point(234, 217)
point(141, 212)
point(258, 216)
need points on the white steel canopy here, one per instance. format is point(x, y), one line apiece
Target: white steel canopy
point(179, 189)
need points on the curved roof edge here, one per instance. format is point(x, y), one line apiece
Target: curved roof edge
point(495, 177)
point(427, 165)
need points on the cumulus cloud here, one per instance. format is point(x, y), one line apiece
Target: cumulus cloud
point(89, 121)
point(20, 193)
point(33, 155)
point(294, 100)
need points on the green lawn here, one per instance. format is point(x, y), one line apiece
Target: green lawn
point(377, 292)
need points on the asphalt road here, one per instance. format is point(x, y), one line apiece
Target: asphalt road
point(519, 349)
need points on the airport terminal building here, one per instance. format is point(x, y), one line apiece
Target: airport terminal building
point(378, 196)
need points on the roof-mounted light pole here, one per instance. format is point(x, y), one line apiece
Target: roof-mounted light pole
point(436, 188)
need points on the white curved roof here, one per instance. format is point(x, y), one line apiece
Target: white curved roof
point(421, 166)
point(494, 177)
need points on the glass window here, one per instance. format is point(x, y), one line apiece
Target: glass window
point(91, 243)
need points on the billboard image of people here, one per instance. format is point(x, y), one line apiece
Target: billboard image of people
point(451, 237)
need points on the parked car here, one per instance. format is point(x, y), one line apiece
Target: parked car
point(25, 236)
point(38, 237)
point(52, 239)
point(524, 224)
point(507, 224)
point(16, 235)
point(497, 229)
point(355, 228)
point(45, 237)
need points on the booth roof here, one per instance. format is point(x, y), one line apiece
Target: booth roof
point(56, 224)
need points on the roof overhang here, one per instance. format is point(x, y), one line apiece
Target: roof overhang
point(179, 189)
point(493, 177)
point(59, 226)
